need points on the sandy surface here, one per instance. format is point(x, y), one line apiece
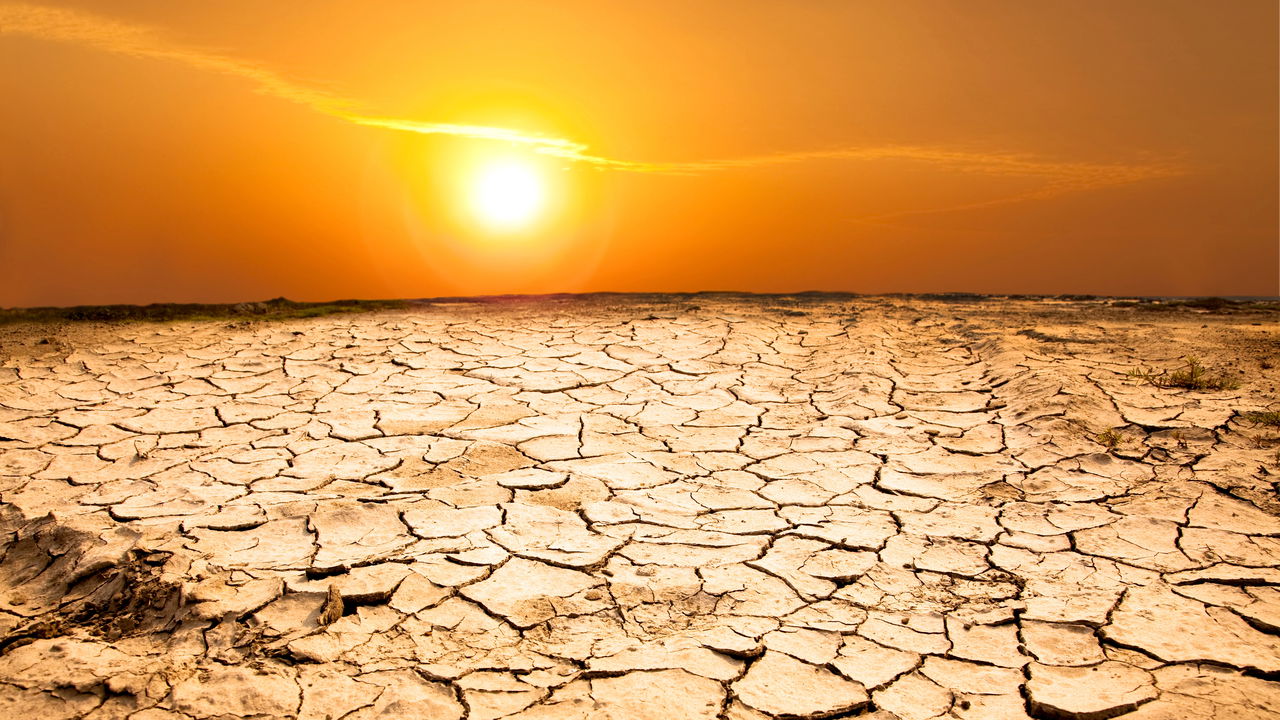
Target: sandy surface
point(717, 507)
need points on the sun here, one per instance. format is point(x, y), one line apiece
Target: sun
point(507, 195)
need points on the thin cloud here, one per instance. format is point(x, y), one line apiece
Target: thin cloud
point(99, 33)
point(111, 36)
point(105, 34)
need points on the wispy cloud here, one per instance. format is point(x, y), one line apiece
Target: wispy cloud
point(105, 34)
point(79, 28)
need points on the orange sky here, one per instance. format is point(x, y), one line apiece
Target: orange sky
point(153, 151)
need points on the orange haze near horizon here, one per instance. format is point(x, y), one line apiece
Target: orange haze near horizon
point(154, 151)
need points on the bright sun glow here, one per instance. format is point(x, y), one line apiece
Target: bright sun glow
point(507, 195)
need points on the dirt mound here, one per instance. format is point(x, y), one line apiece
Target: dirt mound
point(57, 579)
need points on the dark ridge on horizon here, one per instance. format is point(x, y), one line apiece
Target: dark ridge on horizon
point(285, 309)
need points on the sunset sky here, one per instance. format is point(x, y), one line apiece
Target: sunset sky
point(153, 151)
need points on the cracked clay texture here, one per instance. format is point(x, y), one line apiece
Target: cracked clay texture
point(639, 507)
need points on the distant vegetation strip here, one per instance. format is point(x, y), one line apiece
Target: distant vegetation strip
point(284, 309)
point(277, 309)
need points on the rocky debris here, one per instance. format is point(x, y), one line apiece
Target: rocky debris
point(580, 508)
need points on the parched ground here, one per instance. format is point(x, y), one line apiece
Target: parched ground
point(642, 507)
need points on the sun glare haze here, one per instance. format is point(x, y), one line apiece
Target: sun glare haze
point(412, 149)
point(507, 195)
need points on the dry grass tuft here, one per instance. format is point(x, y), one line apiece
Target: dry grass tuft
point(1192, 376)
point(1110, 439)
point(1270, 418)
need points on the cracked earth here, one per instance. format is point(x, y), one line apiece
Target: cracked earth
point(710, 507)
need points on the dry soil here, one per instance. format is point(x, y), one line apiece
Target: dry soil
point(704, 507)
